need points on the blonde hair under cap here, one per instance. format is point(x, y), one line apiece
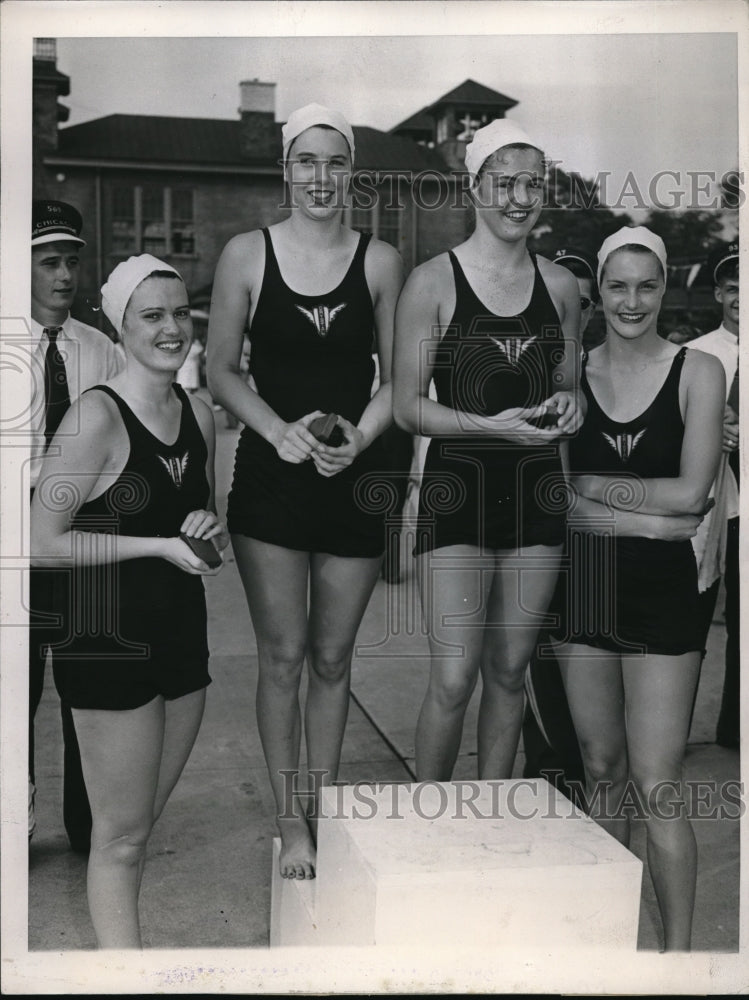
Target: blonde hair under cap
point(123, 281)
point(309, 116)
point(632, 236)
point(487, 140)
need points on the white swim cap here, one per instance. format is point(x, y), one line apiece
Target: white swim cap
point(311, 115)
point(628, 236)
point(487, 140)
point(123, 281)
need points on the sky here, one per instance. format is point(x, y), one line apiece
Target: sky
point(616, 102)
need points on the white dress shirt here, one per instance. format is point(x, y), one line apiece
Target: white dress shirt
point(90, 358)
point(724, 346)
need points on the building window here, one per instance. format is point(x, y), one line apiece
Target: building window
point(153, 226)
point(383, 219)
point(389, 224)
point(124, 239)
point(182, 222)
point(468, 123)
point(362, 219)
point(148, 218)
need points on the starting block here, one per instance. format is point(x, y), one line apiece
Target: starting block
point(459, 863)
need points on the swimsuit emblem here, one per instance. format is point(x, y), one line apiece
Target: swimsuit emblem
point(624, 444)
point(513, 348)
point(176, 467)
point(321, 317)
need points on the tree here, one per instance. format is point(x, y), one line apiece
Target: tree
point(688, 234)
point(732, 189)
point(574, 216)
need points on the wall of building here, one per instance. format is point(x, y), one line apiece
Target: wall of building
point(225, 205)
point(443, 226)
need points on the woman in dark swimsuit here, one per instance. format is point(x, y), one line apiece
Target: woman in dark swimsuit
point(649, 451)
point(300, 512)
point(131, 467)
point(497, 330)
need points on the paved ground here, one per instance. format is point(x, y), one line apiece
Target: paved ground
point(207, 881)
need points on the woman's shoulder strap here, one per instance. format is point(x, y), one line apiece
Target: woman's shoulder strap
point(126, 414)
point(678, 362)
point(108, 391)
point(459, 275)
point(189, 417)
point(361, 251)
point(269, 251)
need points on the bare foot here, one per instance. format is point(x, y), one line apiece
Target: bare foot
point(298, 854)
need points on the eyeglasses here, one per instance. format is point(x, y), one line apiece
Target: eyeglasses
point(585, 302)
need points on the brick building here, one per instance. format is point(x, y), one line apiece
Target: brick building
point(181, 187)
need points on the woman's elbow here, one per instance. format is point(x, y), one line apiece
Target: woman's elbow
point(215, 376)
point(43, 550)
point(694, 501)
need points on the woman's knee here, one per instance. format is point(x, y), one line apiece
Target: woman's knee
point(330, 662)
point(510, 678)
point(452, 691)
point(124, 847)
point(604, 764)
point(661, 796)
point(280, 662)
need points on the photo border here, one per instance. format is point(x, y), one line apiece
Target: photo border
point(326, 970)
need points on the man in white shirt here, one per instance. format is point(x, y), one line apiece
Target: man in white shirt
point(716, 544)
point(72, 357)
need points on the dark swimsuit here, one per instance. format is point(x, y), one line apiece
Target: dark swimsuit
point(631, 595)
point(479, 490)
point(137, 628)
point(310, 352)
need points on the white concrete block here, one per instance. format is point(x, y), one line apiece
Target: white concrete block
point(469, 863)
point(292, 907)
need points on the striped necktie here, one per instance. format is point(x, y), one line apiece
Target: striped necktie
point(56, 394)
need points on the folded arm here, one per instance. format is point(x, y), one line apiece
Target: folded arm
point(702, 394)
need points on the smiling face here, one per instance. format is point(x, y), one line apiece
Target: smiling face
point(54, 281)
point(318, 170)
point(509, 193)
point(727, 293)
point(156, 327)
point(632, 287)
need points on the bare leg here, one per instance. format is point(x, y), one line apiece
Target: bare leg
point(275, 582)
point(518, 599)
point(659, 692)
point(340, 589)
point(593, 682)
point(120, 754)
point(182, 718)
point(453, 599)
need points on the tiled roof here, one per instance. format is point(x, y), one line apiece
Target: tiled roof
point(422, 121)
point(155, 138)
point(470, 92)
point(377, 150)
point(215, 142)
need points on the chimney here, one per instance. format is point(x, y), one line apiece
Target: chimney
point(48, 85)
point(258, 135)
